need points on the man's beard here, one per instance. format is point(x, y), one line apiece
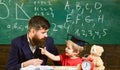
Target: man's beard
point(39, 43)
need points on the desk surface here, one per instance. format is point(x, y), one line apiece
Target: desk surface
point(31, 67)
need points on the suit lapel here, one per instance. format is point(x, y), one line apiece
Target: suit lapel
point(26, 48)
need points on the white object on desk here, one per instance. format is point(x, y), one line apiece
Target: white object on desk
point(31, 67)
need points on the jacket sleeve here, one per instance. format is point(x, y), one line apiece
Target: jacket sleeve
point(13, 58)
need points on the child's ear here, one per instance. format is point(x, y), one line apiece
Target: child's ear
point(76, 52)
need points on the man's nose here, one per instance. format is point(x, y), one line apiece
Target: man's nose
point(46, 35)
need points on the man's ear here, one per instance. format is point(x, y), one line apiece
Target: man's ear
point(32, 31)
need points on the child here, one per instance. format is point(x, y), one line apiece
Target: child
point(74, 46)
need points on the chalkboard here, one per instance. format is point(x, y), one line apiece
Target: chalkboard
point(96, 21)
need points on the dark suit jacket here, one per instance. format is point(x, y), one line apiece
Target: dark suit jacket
point(20, 52)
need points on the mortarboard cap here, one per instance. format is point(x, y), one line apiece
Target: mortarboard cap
point(77, 40)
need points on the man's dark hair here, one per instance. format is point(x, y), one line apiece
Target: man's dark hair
point(37, 22)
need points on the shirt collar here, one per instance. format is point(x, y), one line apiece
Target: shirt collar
point(32, 48)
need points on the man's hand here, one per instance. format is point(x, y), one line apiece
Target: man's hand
point(34, 62)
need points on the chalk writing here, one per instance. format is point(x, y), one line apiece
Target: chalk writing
point(6, 15)
point(54, 28)
point(23, 12)
point(16, 26)
point(41, 9)
point(88, 19)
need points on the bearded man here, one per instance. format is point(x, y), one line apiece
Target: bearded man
point(25, 49)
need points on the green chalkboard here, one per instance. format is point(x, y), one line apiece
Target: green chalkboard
point(96, 21)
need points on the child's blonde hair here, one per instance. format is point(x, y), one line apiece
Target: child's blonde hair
point(76, 48)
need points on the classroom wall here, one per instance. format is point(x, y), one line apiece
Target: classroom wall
point(110, 57)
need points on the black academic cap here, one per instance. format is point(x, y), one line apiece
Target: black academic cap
point(77, 40)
